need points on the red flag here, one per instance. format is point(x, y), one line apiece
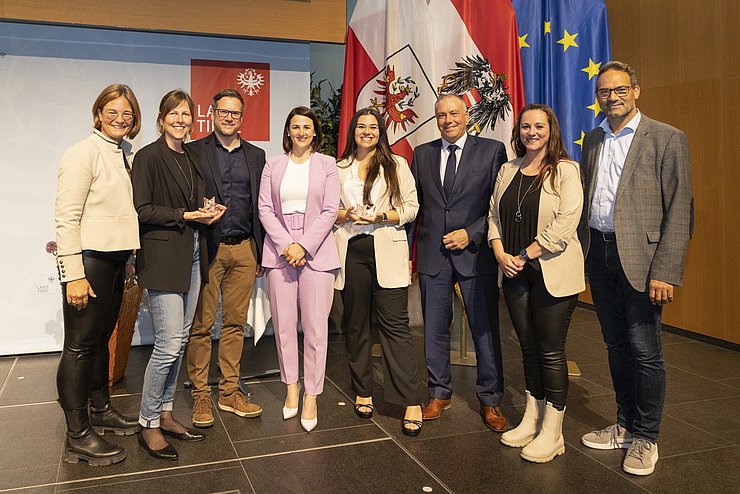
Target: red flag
point(402, 53)
point(252, 80)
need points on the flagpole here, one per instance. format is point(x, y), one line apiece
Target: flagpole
point(462, 356)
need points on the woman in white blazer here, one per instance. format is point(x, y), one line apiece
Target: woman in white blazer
point(378, 197)
point(534, 214)
point(97, 230)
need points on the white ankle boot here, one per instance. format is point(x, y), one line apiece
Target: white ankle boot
point(549, 442)
point(530, 425)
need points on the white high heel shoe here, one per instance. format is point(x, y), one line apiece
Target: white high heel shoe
point(289, 413)
point(309, 424)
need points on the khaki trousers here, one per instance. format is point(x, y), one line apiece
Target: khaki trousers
point(231, 275)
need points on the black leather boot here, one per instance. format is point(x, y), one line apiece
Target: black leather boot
point(83, 443)
point(104, 417)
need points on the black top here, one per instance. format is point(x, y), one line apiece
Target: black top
point(183, 163)
point(237, 220)
point(518, 235)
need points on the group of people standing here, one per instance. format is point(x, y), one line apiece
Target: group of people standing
point(311, 224)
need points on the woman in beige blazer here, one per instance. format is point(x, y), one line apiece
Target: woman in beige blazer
point(378, 197)
point(532, 222)
point(97, 230)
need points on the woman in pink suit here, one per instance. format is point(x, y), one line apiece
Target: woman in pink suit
point(298, 203)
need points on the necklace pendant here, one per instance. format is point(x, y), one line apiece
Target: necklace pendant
point(518, 216)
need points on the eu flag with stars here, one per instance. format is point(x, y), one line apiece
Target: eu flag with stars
point(562, 44)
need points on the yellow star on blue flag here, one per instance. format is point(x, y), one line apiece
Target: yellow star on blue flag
point(560, 71)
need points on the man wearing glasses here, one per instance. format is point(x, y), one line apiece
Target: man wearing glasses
point(232, 169)
point(638, 213)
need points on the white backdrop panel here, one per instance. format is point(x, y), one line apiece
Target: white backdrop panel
point(49, 78)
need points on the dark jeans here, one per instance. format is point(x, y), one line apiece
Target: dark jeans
point(361, 293)
point(631, 328)
point(83, 366)
point(480, 297)
point(541, 323)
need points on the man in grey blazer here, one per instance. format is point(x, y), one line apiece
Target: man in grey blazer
point(454, 181)
point(637, 222)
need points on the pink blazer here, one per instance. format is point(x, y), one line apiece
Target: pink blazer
point(322, 204)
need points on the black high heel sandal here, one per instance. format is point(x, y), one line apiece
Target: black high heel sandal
point(364, 415)
point(411, 432)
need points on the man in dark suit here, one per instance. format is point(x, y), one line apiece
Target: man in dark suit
point(455, 176)
point(637, 219)
point(232, 170)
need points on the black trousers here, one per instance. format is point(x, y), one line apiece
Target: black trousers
point(362, 293)
point(83, 366)
point(541, 323)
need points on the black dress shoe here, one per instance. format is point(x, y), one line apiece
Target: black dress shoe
point(188, 435)
point(167, 453)
point(361, 414)
point(411, 432)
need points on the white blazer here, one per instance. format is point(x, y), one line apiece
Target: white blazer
point(391, 242)
point(94, 207)
point(557, 224)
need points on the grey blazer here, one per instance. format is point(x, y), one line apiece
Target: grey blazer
point(653, 210)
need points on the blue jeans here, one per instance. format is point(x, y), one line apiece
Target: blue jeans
point(172, 314)
point(630, 325)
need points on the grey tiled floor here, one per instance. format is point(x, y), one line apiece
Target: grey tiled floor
point(699, 445)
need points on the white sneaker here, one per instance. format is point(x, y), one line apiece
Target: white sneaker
point(641, 457)
point(613, 437)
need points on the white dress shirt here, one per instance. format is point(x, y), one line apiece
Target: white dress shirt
point(614, 151)
point(445, 153)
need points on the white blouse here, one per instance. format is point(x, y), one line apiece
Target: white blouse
point(294, 187)
point(353, 187)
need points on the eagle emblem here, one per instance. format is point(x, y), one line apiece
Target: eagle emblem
point(484, 92)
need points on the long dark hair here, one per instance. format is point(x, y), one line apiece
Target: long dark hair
point(555, 147)
point(383, 158)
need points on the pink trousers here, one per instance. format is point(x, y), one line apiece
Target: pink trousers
point(312, 292)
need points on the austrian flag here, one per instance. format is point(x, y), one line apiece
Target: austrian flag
point(402, 54)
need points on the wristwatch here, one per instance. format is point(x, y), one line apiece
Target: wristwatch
point(385, 218)
point(523, 254)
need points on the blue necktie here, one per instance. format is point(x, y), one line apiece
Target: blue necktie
point(449, 180)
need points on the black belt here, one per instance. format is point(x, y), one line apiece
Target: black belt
point(609, 237)
point(233, 240)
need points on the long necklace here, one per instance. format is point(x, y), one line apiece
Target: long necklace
point(519, 201)
point(190, 171)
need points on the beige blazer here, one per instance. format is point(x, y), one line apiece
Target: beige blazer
point(391, 243)
point(94, 207)
point(557, 225)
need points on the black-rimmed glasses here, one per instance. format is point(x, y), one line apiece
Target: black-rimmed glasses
point(236, 115)
point(620, 91)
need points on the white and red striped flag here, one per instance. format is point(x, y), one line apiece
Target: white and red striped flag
point(402, 53)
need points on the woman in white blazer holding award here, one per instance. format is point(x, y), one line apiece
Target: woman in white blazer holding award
point(378, 197)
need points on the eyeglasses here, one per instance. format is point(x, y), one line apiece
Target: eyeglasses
point(112, 115)
point(236, 115)
point(620, 91)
